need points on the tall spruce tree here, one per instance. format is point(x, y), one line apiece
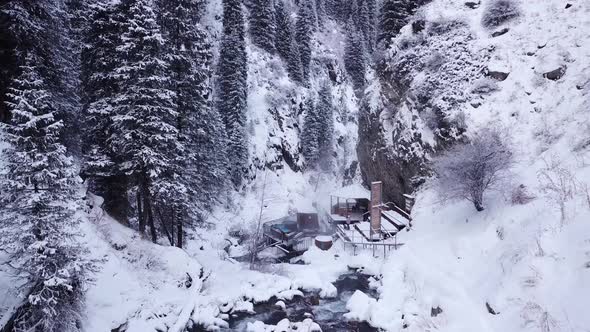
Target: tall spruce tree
point(310, 133)
point(321, 11)
point(325, 111)
point(303, 34)
point(41, 29)
point(232, 88)
point(355, 55)
point(39, 220)
point(340, 10)
point(200, 166)
point(144, 130)
point(318, 130)
point(286, 45)
point(367, 23)
point(100, 83)
point(262, 24)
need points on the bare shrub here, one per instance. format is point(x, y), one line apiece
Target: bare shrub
point(558, 184)
point(521, 196)
point(585, 190)
point(498, 12)
point(535, 315)
point(467, 171)
point(500, 232)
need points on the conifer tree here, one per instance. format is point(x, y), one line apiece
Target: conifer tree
point(340, 10)
point(310, 133)
point(262, 24)
point(99, 84)
point(318, 129)
point(200, 166)
point(232, 88)
point(41, 29)
point(144, 130)
point(39, 220)
point(303, 34)
point(366, 21)
point(355, 55)
point(325, 113)
point(286, 45)
point(321, 11)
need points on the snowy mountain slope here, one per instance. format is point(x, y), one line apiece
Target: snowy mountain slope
point(275, 121)
point(275, 102)
point(522, 260)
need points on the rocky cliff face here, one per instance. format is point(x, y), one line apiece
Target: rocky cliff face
point(415, 106)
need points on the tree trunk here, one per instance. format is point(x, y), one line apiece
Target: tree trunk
point(140, 219)
point(179, 231)
point(478, 206)
point(169, 234)
point(147, 207)
point(150, 219)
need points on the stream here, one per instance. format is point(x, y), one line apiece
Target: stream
point(328, 313)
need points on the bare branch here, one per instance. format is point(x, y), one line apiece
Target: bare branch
point(469, 170)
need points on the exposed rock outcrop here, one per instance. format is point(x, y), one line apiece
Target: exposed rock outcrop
point(415, 108)
point(555, 74)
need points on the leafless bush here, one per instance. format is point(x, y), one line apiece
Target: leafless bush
point(535, 315)
point(469, 170)
point(585, 190)
point(500, 232)
point(558, 184)
point(521, 196)
point(498, 12)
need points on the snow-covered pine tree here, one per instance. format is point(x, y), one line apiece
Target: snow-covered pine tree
point(42, 29)
point(310, 133)
point(367, 23)
point(318, 130)
point(339, 9)
point(232, 90)
point(303, 34)
point(8, 59)
point(394, 15)
point(144, 131)
point(200, 167)
point(100, 82)
point(325, 113)
point(40, 198)
point(321, 12)
point(285, 43)
point(262, 24)
point(354, 13)
point(209, 154)
point(355, 55)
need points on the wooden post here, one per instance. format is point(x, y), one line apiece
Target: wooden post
point(347, 209)
point(331, 205)
point(375, 208)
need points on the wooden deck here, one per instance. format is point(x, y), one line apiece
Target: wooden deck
point(358, 234)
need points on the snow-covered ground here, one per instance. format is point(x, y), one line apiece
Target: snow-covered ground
point(144, 286)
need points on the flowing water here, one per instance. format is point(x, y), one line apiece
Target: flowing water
point(328, 313)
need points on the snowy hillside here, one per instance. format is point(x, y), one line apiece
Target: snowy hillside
point(530, 268)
